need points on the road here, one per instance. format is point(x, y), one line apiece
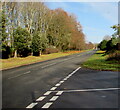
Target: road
point(59, 83)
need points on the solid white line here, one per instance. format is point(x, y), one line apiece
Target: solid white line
point(48, 92)
point(40, 98)
point(54, 98)
point(57, 85)
point(53, 88)
point(47, 105)
point(59, 92)
point(88, 90)
point(31, 105)
point(19, 75)
point(48, 65)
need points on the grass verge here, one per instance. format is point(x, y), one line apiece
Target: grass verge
point(98, 61)
point(15, 62)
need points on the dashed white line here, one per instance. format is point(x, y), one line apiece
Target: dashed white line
point(48, 92)
point(54, 98)
point(19, 75)
point(68, 77)
point(53, 88)
point(47, 105)
point(31, 105)
point(61, 81)
point(48, 65)
point(57, 85)
point(65, 79)
point(41, 98)
point(59, 92)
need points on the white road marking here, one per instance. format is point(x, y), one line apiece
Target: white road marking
point(54, 98)
point(59, 92)
point(61, 81)
point(57, 85)
point(89, 90)
point(48, 92)
point(76, 70)
point(31, 105)
point(70, 75)
point(47, 105)
point(53, 88)
point(41, 98)
point(48, 65)
point(20, 75)
point(65, 79)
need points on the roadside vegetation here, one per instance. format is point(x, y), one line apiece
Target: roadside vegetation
point(109, 56)
point(99, 62)
point(31, 29)
point(19, 61)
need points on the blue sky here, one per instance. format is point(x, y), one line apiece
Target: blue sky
point(96, 18)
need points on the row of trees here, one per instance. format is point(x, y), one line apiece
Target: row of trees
point(111, 43)
point(31, 27)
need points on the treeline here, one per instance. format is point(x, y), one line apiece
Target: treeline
point(112, 44)
point(32, 28)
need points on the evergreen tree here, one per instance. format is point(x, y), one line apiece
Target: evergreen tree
point(22, 41)
point(39, 43)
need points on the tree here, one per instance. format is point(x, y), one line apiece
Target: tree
point(39, 43)
point(111, 44)
point(103, 45)
point(117, 29)
point(22, 42)
point(5, 49)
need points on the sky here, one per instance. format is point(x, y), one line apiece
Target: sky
point(96, 18)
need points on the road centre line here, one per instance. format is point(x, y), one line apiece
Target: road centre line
point(20, 75)
point(31, 105)
point(47, 105)
point(48, 65)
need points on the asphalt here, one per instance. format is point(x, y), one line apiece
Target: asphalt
point(22, 86)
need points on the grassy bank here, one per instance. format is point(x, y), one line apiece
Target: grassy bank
point(15, 62)
point(98, 61)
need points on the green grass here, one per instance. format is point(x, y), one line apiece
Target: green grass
point(98, 62)
point(15, 62)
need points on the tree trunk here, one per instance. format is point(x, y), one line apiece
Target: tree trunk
point(40, 52)
point(15, 55)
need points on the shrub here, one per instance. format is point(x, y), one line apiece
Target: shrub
point(50, 50)
point(114, 56)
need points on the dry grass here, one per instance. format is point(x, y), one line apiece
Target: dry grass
point(15, 62)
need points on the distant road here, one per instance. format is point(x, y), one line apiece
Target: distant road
point(35, 85)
